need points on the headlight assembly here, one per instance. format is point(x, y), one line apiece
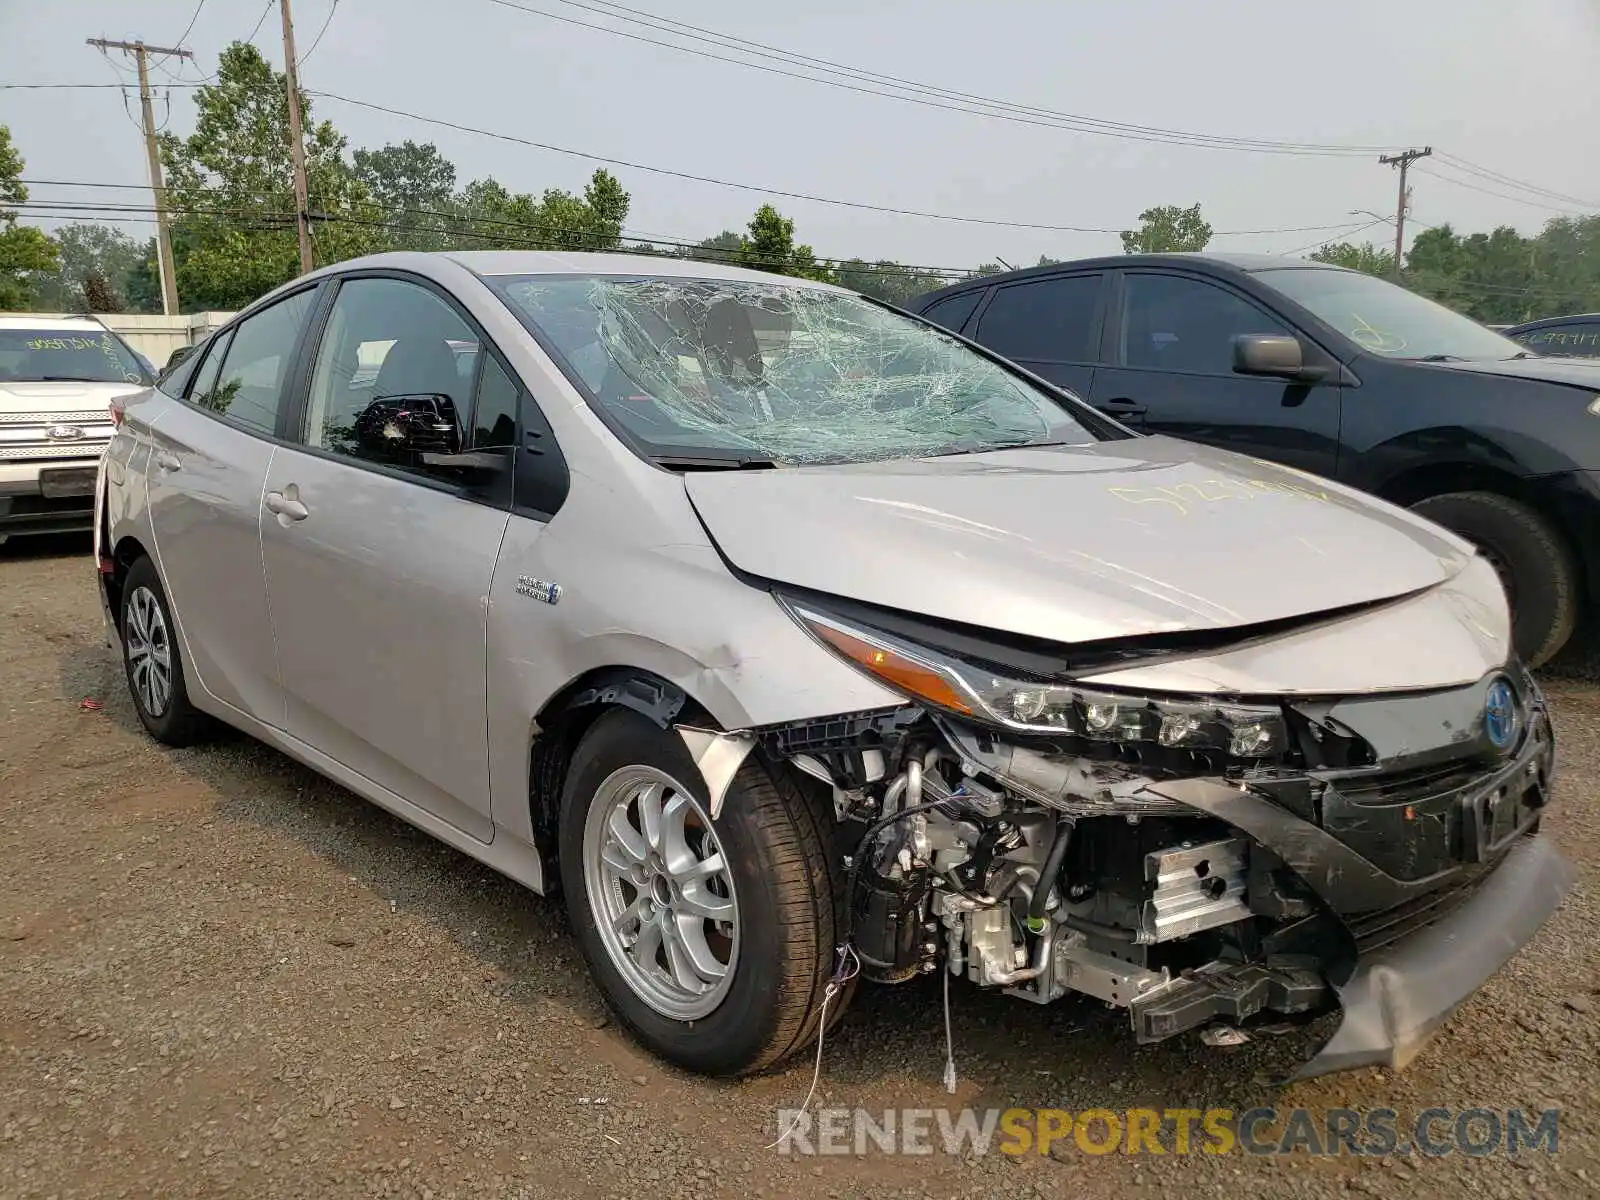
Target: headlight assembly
point(956, 686)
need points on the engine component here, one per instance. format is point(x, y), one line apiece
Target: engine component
point(891, 911)
point(1194, 887)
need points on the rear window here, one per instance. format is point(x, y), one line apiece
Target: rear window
point(1047, 320)
point(67, 356)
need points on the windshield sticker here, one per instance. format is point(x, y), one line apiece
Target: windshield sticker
point(1372, 338)
point(1184, 496)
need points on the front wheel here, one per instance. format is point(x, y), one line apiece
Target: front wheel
point(711, 940)
point(1533, 561)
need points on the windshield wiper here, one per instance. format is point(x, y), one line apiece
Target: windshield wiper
point(1440, 358)
point(691, 462)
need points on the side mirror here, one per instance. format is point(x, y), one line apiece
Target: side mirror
point(399, 428)
point(177, 356)
point(1274, 355)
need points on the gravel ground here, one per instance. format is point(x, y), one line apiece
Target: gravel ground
point(220, 973)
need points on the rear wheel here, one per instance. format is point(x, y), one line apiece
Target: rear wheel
point(1532, 559)
point(712, 940)
point(152, 662)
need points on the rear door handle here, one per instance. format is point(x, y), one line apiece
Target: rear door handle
point(168, 462)
point(287, 505)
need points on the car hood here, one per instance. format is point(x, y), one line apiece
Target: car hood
point(40, 397)
point(1115, 539)
point(1576, 372)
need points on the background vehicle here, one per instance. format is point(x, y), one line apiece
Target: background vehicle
point(740, 605)
point(1334, 372)
point(1560, 337)
point(58, 376)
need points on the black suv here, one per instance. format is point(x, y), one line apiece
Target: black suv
point(1337, 373)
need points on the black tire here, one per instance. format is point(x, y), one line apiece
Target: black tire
point(1535, 565)
point(178, 723)
point(776, 840)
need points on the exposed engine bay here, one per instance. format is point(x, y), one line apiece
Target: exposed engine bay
point(1186, 860)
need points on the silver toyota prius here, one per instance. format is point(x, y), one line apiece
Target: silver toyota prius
point(798, 642)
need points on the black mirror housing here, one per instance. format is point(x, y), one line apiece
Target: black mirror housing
point(397, 428)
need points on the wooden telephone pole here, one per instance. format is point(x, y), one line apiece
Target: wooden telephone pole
point(1402, 160)
point(140, 51)
point(297, 150)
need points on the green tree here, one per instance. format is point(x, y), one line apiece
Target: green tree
point(1365, 257)
point(26, 253)
point(1167, 230)
point(414, 186)
point(488, 214)
point(231, 181)
point(725, 247)
point(769, 245)
point(887, 280)
point(124, 264)
point(100, 295)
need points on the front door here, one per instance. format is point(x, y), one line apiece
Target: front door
point(212, 450)
point(379, 552)
point(1172, 372)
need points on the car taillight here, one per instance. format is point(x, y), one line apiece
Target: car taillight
point(118, 411)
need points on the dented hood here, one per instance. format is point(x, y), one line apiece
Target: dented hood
point(1076, 543)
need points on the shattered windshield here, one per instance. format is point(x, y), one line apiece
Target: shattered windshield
point(743, 371)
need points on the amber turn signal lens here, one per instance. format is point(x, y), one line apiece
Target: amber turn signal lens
point(901, 672)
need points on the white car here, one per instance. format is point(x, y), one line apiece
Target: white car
point(58, 376)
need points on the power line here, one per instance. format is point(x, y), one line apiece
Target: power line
point(1352, 230)
point(750, 187)
point(316, 41)
point(1507, 180)
point(926, 95)
point(187, 29)
point(1434, 174)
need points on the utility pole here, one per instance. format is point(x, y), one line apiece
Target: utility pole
point(297, 149)
point(169, 280)
point(1402, 160)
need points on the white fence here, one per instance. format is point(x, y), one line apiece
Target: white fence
point(155, 337)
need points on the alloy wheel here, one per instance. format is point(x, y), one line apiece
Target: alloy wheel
point(661, 892)
point(149, 649)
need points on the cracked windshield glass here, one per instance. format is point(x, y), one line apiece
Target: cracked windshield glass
point(772, 373)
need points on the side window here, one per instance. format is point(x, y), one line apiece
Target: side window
point(255, 365)
point(1043, 320)
point(397, 382)
point(953, 313)
point(176, 381)
point(205, 380)
point(1567, 341)
point(1171, 323)
point(495, 424)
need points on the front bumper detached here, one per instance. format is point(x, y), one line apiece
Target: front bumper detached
point(1398, 996)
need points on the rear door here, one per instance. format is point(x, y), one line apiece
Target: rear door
point(209, 463)
point(1051, 326)
point(379, 553)
point(1170, 370)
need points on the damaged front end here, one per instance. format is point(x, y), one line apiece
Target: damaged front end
point(1188, 859)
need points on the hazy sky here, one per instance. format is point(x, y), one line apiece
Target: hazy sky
point(1508, 87)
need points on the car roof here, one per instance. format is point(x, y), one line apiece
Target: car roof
point(1222, 263)
point(557, 262)
point(49, 321)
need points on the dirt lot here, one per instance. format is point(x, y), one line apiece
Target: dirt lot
point(221, 974)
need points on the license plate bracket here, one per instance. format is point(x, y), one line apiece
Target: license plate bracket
point(57, 483)
point(1492, 818)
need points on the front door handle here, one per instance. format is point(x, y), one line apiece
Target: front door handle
point(1122, 407)
point(287, 505)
